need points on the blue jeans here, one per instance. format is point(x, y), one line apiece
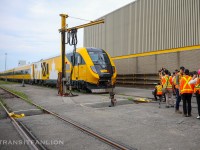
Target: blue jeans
point(178, 99)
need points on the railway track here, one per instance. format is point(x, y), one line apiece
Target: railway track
point(87, 130)
point(30, 140)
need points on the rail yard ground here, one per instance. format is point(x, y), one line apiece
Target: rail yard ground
point(142, 126)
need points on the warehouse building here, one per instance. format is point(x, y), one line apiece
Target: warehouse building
point(146, 35)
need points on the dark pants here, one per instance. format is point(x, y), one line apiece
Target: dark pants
point(160, 98)
point(155, 94)
point(178, 99)
point(164, 97)
point(198, 102)
point(186, 103)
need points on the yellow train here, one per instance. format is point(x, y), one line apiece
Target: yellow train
point(93, 70)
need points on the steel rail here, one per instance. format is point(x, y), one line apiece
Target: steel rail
point(20, 130)
point(78, 125)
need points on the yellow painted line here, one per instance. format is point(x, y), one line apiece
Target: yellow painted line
point(174, 50)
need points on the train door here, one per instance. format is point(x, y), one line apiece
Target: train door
point(37, 71)
point(81, 68)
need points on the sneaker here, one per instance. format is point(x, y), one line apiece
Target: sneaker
point(172, 106)
point(198, 117)
point(166, 106)
point(189, 115)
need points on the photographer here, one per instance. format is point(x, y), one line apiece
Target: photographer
point(167, 89)
point(161, 73)
point(196, 80)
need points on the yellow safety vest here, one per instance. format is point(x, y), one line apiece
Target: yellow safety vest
point(197, 86)
point(166, 82)
point(159, 90)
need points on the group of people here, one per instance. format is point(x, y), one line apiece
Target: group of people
point(180, 85)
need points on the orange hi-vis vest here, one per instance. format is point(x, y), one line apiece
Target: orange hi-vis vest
point(177, 84)
point(185, 87)
point(197, 86)
point(159, 89)
point(167, 82)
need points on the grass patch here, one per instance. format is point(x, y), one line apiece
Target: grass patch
point(21, 94)
point(130, 98)
point(7, 82)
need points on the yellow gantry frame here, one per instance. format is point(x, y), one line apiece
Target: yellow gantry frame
point(63, 23)
point(63, 30)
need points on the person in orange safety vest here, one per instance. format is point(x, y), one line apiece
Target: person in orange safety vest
point(167, 88)
point(186, 91)
point(159, 93)
point(178, 96)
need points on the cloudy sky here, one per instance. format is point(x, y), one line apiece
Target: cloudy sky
point(29, 28)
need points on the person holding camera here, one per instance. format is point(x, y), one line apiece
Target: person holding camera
point(196, 81)
point(161, 73)
point(167, 88)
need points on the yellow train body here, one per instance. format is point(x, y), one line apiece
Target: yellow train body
point(93, 69)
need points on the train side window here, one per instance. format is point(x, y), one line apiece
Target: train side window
point(82, 61)
point(79, 59)
point(72, 59)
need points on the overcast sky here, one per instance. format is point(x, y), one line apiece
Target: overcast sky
point(29, 28)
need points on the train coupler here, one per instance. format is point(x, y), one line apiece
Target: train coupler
point(112, 99)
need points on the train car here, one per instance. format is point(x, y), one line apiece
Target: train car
point(46, 71)
point(93, 70)
point(8, 74)
point(18, 74)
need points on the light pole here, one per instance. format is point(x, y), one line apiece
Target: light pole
point(5, 64)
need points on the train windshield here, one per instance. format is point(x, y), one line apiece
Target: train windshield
point(100, 58)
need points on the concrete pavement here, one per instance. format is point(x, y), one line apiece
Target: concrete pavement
point(142, 126)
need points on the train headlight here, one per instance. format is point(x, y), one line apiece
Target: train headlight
point(93, 69)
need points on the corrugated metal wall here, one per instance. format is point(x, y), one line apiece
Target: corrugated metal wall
point(147, 25)
point(151, 64)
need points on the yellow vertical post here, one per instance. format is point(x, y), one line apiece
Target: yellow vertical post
point(63, 27)
point(63, 20)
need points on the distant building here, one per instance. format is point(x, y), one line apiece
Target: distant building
point(146, 35)
point(21, 63)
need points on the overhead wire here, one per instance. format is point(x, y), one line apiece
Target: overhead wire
point(79, 18)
